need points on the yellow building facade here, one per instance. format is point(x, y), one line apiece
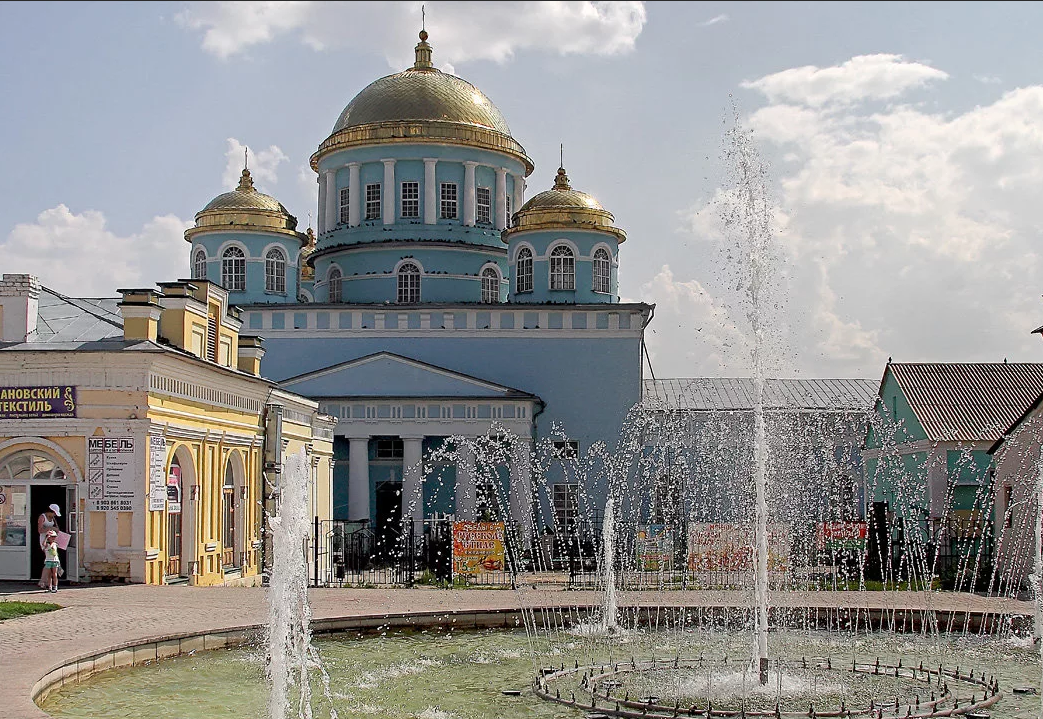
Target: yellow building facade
point(146, 422)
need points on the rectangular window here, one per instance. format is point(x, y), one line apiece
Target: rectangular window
point(14, 512)
point(566, 506)
point(507, 204)
point(448, 200)
point(566, 450)
point(389, 448)
point(483, 206)
point(410, 199)
point(373, 201)
point(345, 197)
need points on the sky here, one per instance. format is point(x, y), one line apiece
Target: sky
point(902, 145)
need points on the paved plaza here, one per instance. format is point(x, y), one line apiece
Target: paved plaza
point(95, 619)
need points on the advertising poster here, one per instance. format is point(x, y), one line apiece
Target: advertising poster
point(838, 536)
point(654, 545)
point(37, 402)
point(729, 547)
point(478, 547)
point(174, 490)
point(111, 476)
point(157, 491)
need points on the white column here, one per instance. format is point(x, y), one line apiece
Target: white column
point(469, 198)
point(355, 195)
point(332, 200)
point(389, 192)
point(358, 478)
point(519, 192)
point(520, 495)
point(320, 214)
point(466, 484)
point(501, 198)
point(413, 482)
point(430, 192)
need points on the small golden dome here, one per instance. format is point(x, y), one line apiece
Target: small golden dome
point(245, 207)
point(422, 104)
point(563, 208)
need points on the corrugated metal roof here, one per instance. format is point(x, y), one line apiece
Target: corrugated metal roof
point(720, 394)
point(69, 319)
point(967, 402)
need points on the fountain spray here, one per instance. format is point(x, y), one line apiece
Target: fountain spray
point(608, 539)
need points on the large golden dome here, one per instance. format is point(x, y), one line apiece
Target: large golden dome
point(418, 105)
point(561, 207)
point(244, 207)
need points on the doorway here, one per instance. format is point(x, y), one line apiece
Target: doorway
point(388, 529)
point(41, 496)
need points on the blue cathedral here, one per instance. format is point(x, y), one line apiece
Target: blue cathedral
point(434, 300)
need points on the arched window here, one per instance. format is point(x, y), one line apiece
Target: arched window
point(602, 271)
point(490, 285)
point(562, 268)
point(275, 271)
point(17, 471)
point(229, 556)
point(233, 270)
point(29, 464)
point(199, 265)
point(335, 283)
point(409, 283)
point(523, 271)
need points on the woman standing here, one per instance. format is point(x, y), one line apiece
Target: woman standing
point(47, 522)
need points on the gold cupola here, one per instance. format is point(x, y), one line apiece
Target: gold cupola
point(563, 208)
point(245, 208)
point(422, 104)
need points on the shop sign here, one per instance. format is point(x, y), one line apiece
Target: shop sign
point(478, 547)
point(835, 536)
point(37, 402)
point(729, 547)
point(157, 491)
point(174, 490)
point(111, 476)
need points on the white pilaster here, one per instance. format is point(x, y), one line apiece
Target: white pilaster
point(320, 214)
point(466, 484)
point(520, 498)
point(331, 199)
point(389, 192)
point(358, 478)
point(413, 481)
point(354, 196)
point(469, 198)
point(501, 198)
point(430, 192)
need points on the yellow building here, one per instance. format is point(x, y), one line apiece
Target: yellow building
point(146, 421)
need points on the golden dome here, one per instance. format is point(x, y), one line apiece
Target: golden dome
point(245, 207)
point(422, 104)
point(563, 208)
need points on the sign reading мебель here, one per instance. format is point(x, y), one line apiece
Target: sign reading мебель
point(111, 476)
point(477, 547)
point(37, 402)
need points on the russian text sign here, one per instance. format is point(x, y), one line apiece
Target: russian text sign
point(37, 402)
point(477, 547)
point(111, 478)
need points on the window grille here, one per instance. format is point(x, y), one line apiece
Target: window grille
point(523, 269)
point(490, 285)
point(275, 271)
point(602, 271)
point(389, 448)
point(410, 199)
point(233, 270)
point(483, 205)
point(566, 449)
point(448, 200)
point(373, 201)
point(199, 265)
point(409, 283)
point(335, 284)
point(562, 269)
point(566, 506)
point(345, 205)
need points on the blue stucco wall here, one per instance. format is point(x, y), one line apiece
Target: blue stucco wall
point(255, 245)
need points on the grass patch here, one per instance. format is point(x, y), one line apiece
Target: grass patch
point(12, 610)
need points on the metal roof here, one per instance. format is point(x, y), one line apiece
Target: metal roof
point(968, 402)
point(722, 394)
point(69, 319)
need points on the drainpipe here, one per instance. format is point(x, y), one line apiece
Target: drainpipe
point(537, 530)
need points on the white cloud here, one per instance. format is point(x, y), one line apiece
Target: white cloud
point(457, 32)
point(988, 79)
point(906, 232)
point(723, 17)
point(864, 77)
point(264, 164)
point(94, 261)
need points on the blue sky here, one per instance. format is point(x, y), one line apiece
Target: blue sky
point(905, 144)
